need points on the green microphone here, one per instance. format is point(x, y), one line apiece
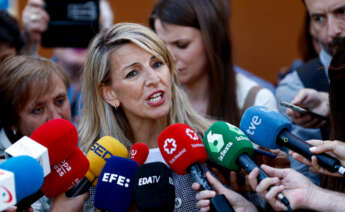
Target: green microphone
point(228, 146)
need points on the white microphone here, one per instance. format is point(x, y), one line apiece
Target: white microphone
point(27, 146)
point(7, 189)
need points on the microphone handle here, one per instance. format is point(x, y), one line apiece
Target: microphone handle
point(82, 187)
point(26, 203)
point(296, 144)
point(198, 176)
point(218, 203)
point(248, 165)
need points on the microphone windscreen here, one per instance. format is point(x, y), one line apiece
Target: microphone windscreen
point(59, 136)
point(65, 174)
point(139, 153)
point(100, 152)
point(115, 185)
point(263, 125)
point(154, 188)
point(181, 147)
point(225, 143)
point(28, 175)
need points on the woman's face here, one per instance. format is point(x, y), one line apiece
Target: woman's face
point(52, 105)
point(141, 84)
point(186, 46)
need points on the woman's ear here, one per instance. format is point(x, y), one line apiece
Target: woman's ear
point(109, 95)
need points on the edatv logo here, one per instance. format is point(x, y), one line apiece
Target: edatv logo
point(148, 180)
point(215, 141)
point(192, 134)
point(169, 145)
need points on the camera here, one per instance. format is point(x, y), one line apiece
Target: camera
point(73, 23)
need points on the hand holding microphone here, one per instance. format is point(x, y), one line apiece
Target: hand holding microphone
point(184, 152)
point(334, 148)
point(238, 202)
point(231, 148)
point(271, 129)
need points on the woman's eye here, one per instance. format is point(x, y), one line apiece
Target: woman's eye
point(37, 111)
point(182, 45)
point(131, 74)
point(60, 101)
point(157, 64)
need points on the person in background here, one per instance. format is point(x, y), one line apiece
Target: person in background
point(32, 92)
point(35, 21)
point(11, 40)
point(197, 35)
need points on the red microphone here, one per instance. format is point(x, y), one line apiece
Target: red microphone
point(181, 147)
point(65, 174)
point(59, 136)
point(139, 153)
point(184, 151)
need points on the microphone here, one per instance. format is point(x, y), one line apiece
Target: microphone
point(115, 185)
point(63, 175)
point(228, 146)
point(183, 150)
point(98, 155)
point(271, 129)
point(50, 143)
point(25, 179)
point(139, 153)
point(154, 188)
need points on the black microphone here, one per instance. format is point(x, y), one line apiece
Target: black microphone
point(154, 188)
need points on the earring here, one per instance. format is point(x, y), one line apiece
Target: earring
point(116, 105)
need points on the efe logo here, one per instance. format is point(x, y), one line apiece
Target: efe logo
point(169, 145)
point(118, 179)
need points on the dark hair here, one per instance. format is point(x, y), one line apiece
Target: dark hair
point(211, 17)
point(305, 41)
point(10, 32)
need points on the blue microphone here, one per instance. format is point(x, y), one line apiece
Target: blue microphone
point(28, 175)
point(114, 188)
point(271, 129)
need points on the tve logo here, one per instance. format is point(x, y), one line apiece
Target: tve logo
point(215, 141)
point(148, 180)
point(118, 179)
point(254, 123)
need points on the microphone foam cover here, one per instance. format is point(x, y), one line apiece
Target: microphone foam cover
point(59, 136)
point(28, 175)
point(154, 188)
point(65, 174)
point(225, 143)
point(115, 185)
point(263, 125)
point(100, 152)
point(181, 147)
point(139, 153)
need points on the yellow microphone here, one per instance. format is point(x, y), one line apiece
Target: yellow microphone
point(98, 154)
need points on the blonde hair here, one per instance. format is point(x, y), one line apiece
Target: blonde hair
point(99, 118)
